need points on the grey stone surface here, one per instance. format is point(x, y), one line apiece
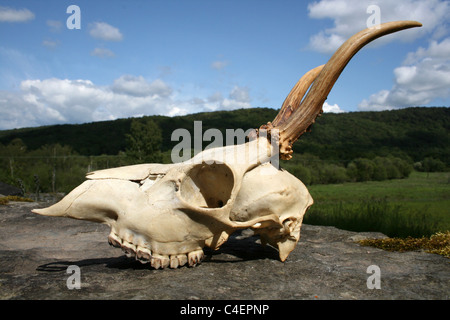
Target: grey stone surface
point(326, 264)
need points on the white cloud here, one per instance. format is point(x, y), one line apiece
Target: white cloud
point(423, 77)
point(331, 108)
point(219, 65)
point(325, 43)
point(102, 53)
point(240, 94)
point(238, 98)
point(104, 31)
point(139, 87)
point(175, 111)
point(53, 100)
point(15, 15)
point(350, 16)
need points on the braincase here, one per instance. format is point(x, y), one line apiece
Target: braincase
point(266, 190)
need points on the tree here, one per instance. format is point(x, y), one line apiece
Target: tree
point(430, 164)
point(54, 163)
point(144, 141)
point(302, 173)
point(15, 149)
point(361, 169)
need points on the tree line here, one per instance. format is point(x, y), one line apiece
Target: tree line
point(312, 170)
point(417, 133)
point(357, 146)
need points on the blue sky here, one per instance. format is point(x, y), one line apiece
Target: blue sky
point(134, 58)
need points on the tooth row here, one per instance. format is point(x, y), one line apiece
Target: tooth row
point(157, 261)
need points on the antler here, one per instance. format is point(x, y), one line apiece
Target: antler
point(296, 116)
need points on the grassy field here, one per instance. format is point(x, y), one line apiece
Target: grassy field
point(416, 206)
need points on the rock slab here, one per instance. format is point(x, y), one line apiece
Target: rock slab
point(38, 254)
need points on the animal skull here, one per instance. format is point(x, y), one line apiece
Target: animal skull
point(166, 214)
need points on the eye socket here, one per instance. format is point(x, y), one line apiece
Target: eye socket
point(208, 185)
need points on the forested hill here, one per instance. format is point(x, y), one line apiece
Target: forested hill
point(414, 132)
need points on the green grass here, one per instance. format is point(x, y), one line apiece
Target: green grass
point(416, 206)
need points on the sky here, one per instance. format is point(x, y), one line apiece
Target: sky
point(106, 60)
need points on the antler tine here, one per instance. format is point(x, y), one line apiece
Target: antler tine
point(292, 101)
point(295, 118)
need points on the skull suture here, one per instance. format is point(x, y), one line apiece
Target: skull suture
point(166, 214)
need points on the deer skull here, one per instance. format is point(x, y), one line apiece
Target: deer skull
point(165, 214)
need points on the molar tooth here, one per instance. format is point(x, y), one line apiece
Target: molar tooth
point(114, 240)
point(143, 255)
point(165, 262)
point(178, 260)
point(129, 249)
point(160, 261)
point(155, 262)
point(174, 263)
point(195, 257)
point(182, 259)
